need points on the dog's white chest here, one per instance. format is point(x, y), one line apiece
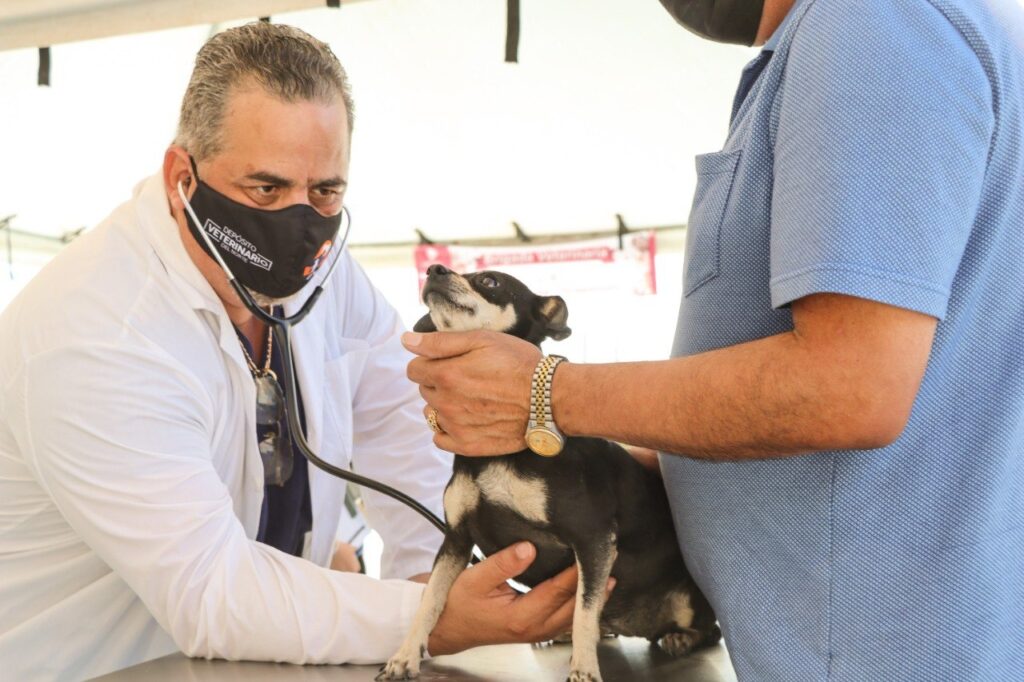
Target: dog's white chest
point(498, 484)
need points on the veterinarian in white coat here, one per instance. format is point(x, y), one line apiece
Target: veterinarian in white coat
point(133, 527)
point(131, 481)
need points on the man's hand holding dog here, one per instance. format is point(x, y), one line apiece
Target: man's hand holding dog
point(483, 609)
point(479, 383)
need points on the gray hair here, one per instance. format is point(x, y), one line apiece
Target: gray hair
point(286, 62)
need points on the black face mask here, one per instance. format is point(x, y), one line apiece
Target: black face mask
point(724, 21)
point(271, 252)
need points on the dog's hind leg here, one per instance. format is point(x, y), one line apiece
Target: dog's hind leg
point(594, 560)
point(694, 621)
point(450, 562)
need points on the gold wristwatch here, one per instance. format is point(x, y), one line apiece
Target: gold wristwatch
point(542, 436)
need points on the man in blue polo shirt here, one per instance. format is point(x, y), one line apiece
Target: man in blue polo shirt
point(847, 388)
point(875, 151)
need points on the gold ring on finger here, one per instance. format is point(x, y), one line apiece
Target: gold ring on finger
point(432, 421)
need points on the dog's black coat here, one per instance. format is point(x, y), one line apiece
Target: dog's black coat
point(598, 499)
point(595, 485)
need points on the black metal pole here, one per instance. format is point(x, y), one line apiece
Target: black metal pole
point(512, 35)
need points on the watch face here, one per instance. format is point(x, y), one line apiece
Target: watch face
point(544, 442)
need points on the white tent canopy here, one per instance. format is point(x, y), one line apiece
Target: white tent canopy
point(603, 114)
point(38, 23)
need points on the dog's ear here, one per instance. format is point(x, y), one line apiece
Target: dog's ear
point(425, 324)
point(553, 314)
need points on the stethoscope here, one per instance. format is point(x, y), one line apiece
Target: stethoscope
point(281, 327)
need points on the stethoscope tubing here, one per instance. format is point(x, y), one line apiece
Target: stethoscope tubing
point(282, 337)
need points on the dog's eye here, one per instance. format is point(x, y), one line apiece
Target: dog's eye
point(488, 281)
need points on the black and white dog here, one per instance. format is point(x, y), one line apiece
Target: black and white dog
point(593, 504)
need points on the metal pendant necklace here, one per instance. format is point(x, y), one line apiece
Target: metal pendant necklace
point(256, 371)
point(275, 445)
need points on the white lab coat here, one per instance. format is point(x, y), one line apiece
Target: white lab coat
point(131, 483)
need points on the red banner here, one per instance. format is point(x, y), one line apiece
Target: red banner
point(592, 265)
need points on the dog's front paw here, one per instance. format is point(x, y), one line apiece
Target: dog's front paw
point(583, 676)
point(400, 667)
point(679, 643)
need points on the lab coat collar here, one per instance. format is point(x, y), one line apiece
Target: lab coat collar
point(161, 231)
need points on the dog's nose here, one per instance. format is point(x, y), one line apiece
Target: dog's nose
point(438, 269)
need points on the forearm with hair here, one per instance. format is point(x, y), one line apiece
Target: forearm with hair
point(771, 397)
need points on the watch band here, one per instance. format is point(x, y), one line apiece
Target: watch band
point(540, 401)
point(540, 397)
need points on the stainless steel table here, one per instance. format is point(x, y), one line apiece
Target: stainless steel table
point(622, 659)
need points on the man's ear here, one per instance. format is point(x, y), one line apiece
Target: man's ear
point(425, 324)
point(552, 312)
point(177, 168)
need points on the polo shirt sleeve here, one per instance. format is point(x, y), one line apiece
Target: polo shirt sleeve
point(885, 116)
